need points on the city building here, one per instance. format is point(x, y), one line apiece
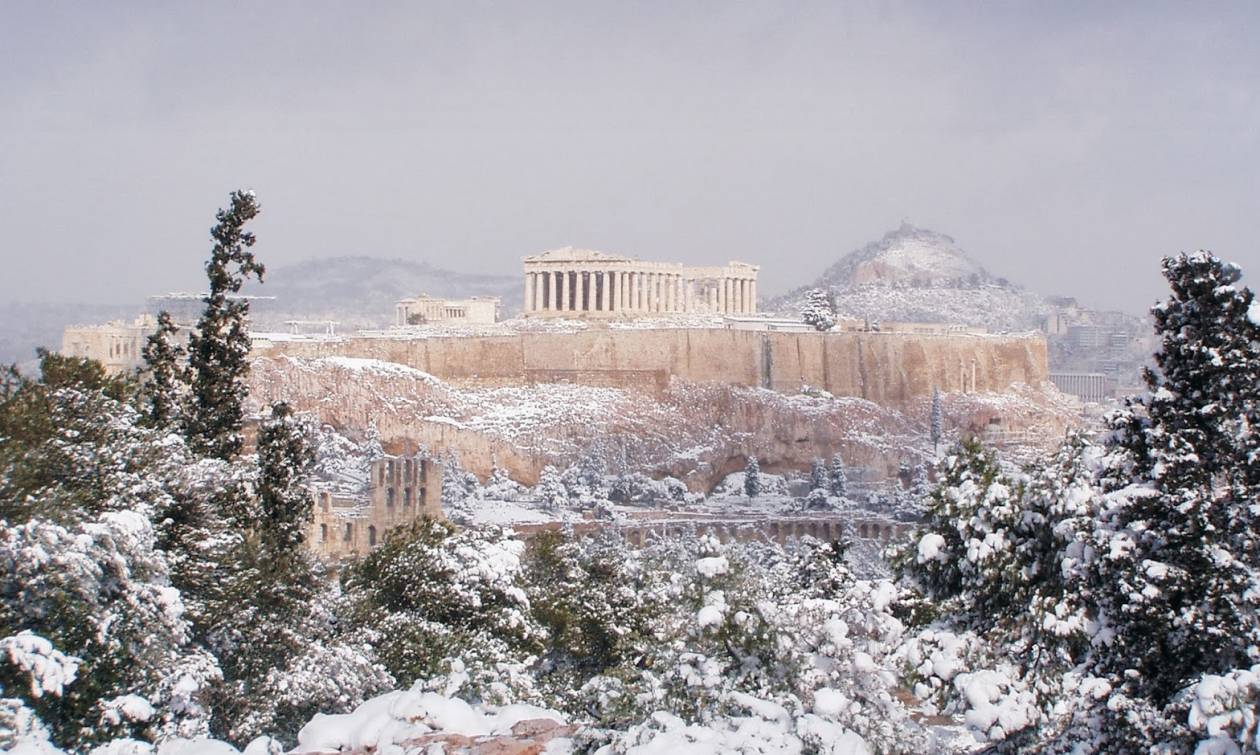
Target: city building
point(573, 282)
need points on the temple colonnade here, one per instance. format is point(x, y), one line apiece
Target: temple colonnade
point(592, 283)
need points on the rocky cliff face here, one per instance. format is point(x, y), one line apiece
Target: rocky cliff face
point(695, 432)
point(890, 369)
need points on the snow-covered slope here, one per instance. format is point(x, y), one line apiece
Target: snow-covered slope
point(917, 275)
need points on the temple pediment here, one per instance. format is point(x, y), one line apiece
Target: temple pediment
point(574, 254)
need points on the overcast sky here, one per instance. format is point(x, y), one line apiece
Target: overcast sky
point(1066, 145)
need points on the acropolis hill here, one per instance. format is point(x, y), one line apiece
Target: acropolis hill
point(891, 369)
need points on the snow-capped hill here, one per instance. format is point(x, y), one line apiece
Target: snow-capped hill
point(909, 255)
point(914, 274)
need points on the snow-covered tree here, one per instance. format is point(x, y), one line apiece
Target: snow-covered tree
point(839, 480)
point(818, 476)
point(218, 348)
point(818, 310)
point(551, 491)
point(1178, 592)
point(752, 477)
point(935, 420)
point(115, 656)
point(433, 600)
point(165, 377)
point(285, 458)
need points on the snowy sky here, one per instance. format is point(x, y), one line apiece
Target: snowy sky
point(1066, 145)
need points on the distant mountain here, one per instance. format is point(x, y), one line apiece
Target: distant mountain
point(362, 291)
point(916, 275)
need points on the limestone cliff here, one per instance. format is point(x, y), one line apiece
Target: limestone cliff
point(698, 432)
point(890, 369)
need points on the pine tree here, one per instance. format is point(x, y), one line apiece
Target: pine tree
point(839, 480)
point(818, 310)
point(818, 476)
point(219, 346)
point(936, 420)
point(165, 376)
point(752, 477)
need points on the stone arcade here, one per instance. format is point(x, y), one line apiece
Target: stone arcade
point(581, 282)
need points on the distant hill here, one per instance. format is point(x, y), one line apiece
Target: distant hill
point(361, 291)
point(918, 275)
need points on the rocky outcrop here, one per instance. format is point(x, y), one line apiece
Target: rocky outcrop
point(697, 432)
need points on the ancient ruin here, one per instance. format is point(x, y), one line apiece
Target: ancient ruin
point(426, 309)
point(571, 282)
point(399, 490)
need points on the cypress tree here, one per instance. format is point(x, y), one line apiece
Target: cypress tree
point(752, 477)
point(818, 476)
point(839, 481)
point(285, 458)
point(936, 419)
point(165, 377)
point(219, 347)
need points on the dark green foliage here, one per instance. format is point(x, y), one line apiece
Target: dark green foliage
point(34, 415)
point(218, 348)
point(165, 376)
point(596, 602)
point(935, 420)
point(1182, 596)
point(285, 458)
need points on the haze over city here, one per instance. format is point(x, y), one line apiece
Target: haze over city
point(1065, 146)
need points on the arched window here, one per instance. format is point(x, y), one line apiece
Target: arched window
point(323, 533)
point(389, 497)
point(406, 498)
point(349, 532)
point(371, 535)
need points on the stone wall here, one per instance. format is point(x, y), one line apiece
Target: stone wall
point(891, 369)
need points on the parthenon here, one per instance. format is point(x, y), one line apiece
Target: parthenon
point(569, 281)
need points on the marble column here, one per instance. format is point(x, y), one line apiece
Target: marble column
point(538, 291)
point(752, 295)
point(564, 291)
point(527, 302)
point(608, 279)
point(580, 303)
point(721, 295)
point(634, 292)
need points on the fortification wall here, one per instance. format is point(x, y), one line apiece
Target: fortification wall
point(890, 369)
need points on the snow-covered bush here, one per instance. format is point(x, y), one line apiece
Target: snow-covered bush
point(431, 594)
point(93, 624)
